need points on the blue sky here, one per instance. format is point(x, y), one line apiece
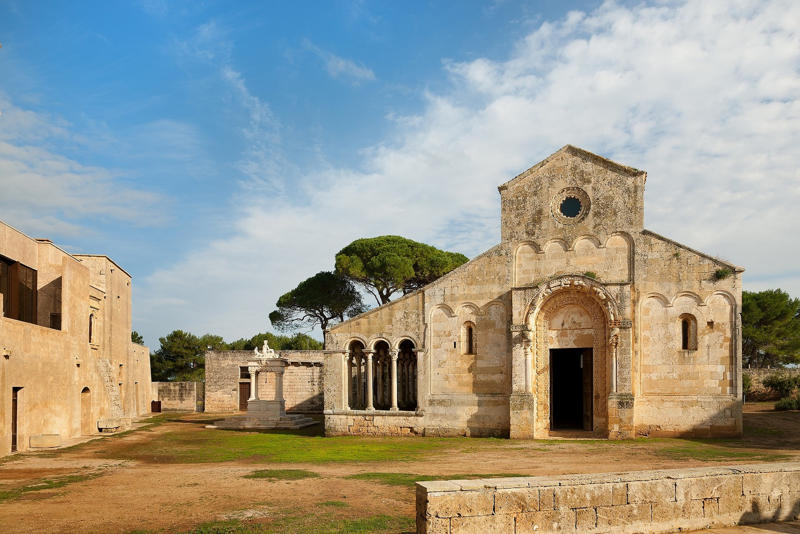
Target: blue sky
point(223, 151)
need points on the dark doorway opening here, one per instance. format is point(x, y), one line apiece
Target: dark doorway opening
point(571, 389)
point(244, 395)
point(14, 417)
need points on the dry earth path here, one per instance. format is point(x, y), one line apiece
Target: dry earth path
point(177, 476)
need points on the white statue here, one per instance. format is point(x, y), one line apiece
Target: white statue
point(266, 352)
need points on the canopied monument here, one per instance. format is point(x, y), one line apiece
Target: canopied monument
point(261, 413)
point(580, 319)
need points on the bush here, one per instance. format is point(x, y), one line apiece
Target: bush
point(789, 403)
point(782, 383)
point(747, 384)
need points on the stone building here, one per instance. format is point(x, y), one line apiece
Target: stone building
point(67, 364)
point(230, 382)
point(579, 319)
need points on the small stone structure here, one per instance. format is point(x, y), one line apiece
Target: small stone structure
point(228, 380)
point(261, 413)
point(179, 396)
point(645, 501)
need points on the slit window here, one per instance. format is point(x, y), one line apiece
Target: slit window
point(688, 332)
point(468, 338)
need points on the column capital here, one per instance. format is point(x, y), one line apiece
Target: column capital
point(394, 354)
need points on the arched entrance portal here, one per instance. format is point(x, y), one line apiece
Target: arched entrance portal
point(86, 412)
point(571, 365)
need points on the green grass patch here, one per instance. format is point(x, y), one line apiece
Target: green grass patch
point(208, 445)
point(700, 450)
point(282, 474)
point(45, 484)
point(409, 479)
point(323, 523)
point(334, 504)
point(759, 431)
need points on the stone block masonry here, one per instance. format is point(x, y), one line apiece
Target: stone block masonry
point(643, 501)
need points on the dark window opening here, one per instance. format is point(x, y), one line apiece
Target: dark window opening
point(19, 290)
point(688, 332)
point(244, 372)
point(91, 328)
point(470, 344)
point(570, 207)
point(55, 321)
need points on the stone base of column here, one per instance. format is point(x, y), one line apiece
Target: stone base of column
point(620, 416)
point(522, 408)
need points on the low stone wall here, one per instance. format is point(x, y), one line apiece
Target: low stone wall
point(643, 501)
point(757, 390)
point(179, 396)
point(381, 423)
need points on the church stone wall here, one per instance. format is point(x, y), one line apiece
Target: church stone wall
point(679, 391)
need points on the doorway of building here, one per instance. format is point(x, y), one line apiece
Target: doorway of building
point(86, 412)
point(244, 394)
point(14, 417)
point(571, 389)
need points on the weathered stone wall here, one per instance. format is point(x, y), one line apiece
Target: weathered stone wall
point(757, 390)
point(302, 380)
point(65, 382)
point(364, 423)
point(179, 396)
point(645, 501)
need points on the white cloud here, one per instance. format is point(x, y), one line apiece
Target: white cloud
point(339, 67)
point(46, 193)
point(703, 95)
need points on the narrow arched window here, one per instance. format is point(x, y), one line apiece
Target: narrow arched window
point(468, 338)
point(91, 327)
point(688, 332)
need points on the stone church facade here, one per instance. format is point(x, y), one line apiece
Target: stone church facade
point(580, 319)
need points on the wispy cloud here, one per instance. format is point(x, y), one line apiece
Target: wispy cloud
point(47, 193)
point(703, 95)
point(339, 67)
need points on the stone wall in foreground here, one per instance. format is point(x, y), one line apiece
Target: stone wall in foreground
point(643, 501)
point(179, 396)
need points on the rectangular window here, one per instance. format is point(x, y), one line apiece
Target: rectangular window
point(244, 372)
point(18, 285)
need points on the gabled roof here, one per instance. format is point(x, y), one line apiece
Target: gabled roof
point(580, 153)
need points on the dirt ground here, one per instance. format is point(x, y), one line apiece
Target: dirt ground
point(140, 482)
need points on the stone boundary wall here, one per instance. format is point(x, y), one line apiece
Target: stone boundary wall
point(383, 423)
point(757, 390)
point(643, 501)
point(179, 396)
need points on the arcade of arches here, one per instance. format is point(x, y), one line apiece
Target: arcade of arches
point(382, 378)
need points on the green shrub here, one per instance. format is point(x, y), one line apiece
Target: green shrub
point(590, 274)
point(782, 383)
point(789, 403)
point(747, 384)
point(722, 274)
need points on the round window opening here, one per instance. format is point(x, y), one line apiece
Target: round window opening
point(570, 207)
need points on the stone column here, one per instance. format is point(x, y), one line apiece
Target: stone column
point(348, 386)
point(253, 370)
point(522, 402)
point(370, 405)
point(359, 389)
point(621, 400)
point(393, 354)
point(279, 384)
